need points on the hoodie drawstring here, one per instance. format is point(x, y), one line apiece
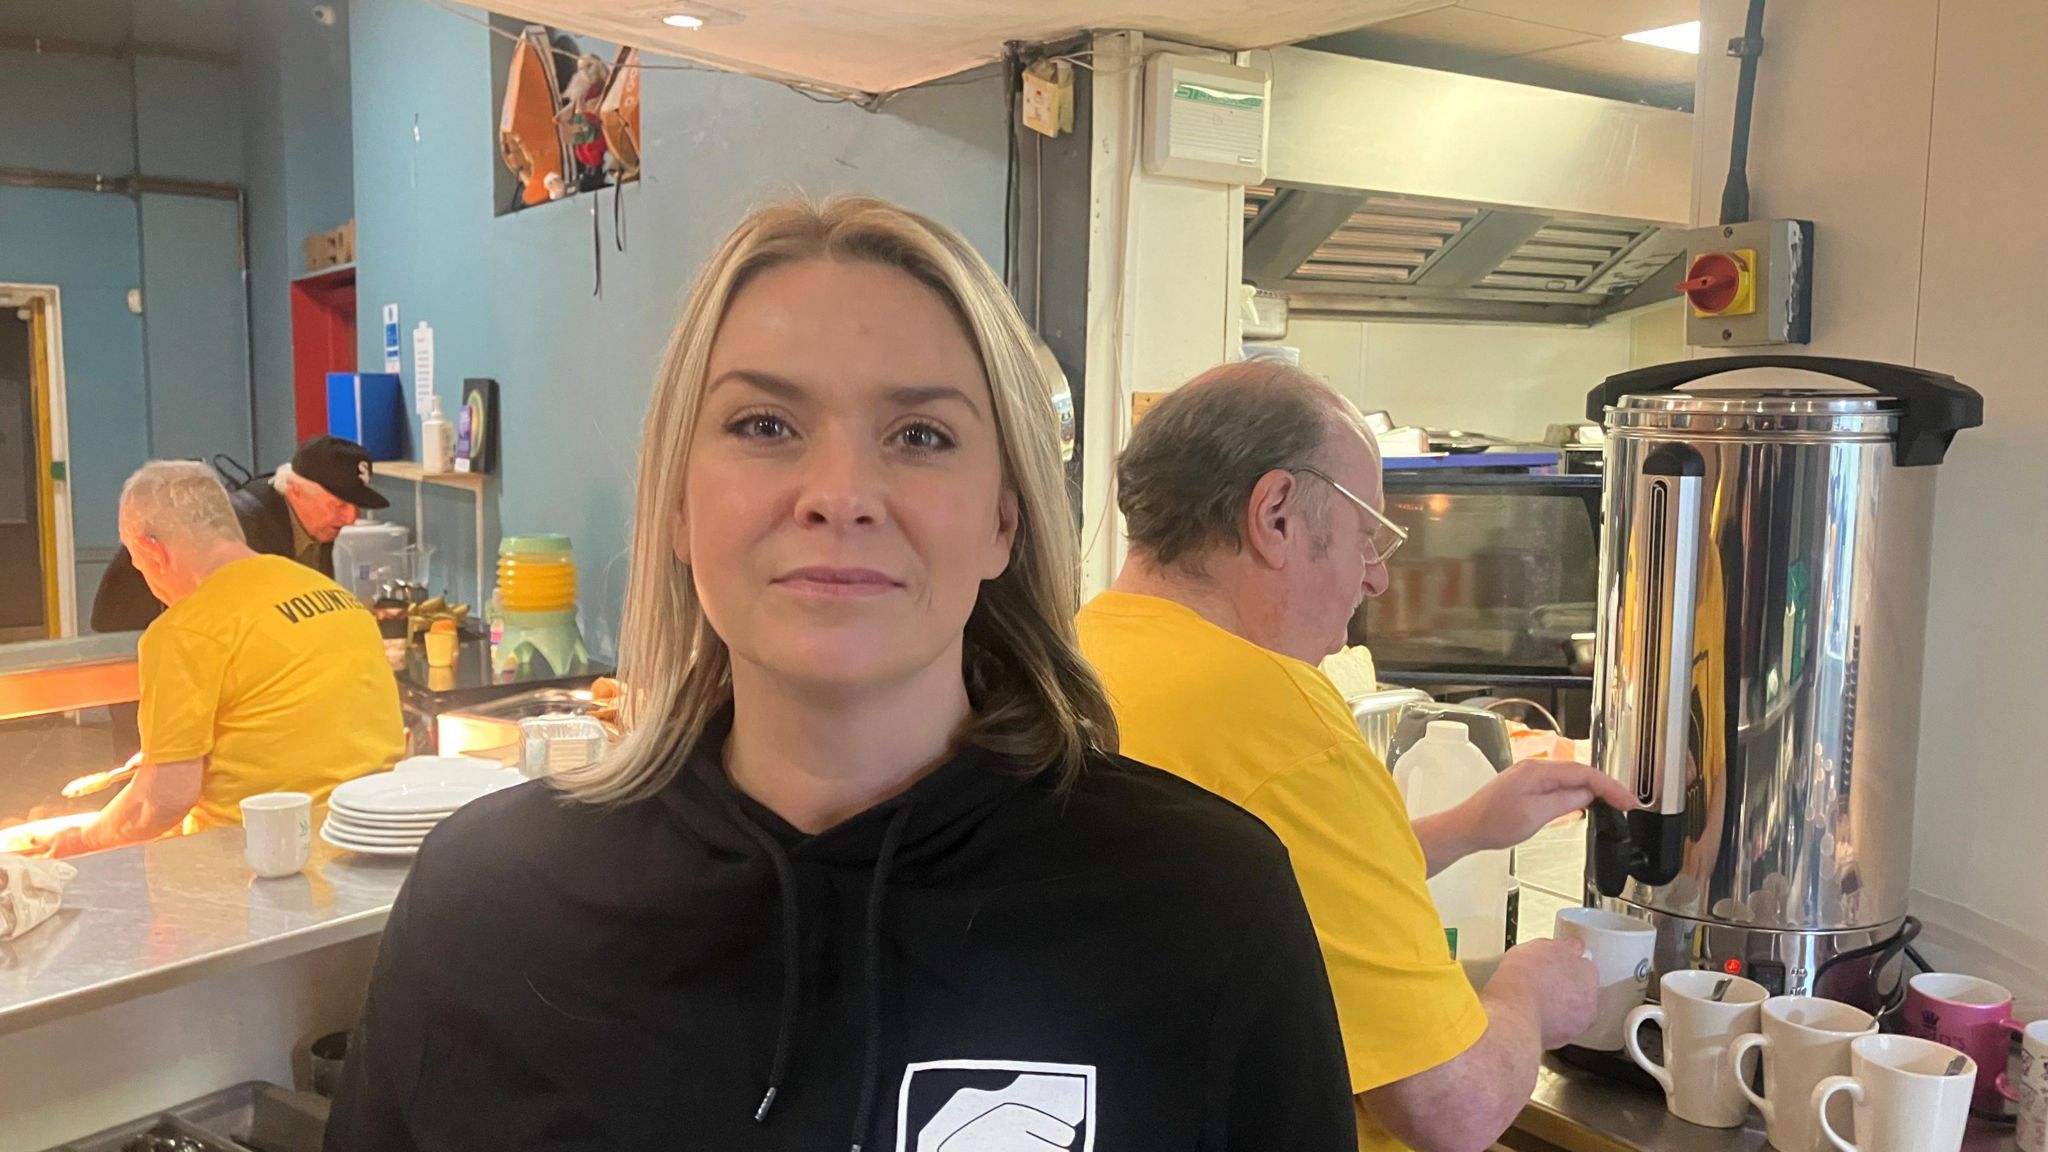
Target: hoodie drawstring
point(871, 1062)
point(785, 881)
point(785, 1033)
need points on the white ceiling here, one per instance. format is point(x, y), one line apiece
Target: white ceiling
point(882, 45)
point(1575, 45)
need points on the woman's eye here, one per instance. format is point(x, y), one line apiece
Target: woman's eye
point(923, 438)
point(759, 426)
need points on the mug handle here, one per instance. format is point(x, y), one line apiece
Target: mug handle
point(1736, 1051)
point(1631, 1040)
point(2003, 1082)
point(1827, 1088)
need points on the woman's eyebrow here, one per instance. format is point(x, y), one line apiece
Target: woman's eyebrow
point(779, 387)
point(911, 396)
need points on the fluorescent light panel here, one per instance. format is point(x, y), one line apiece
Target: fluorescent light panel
point(1678, 37)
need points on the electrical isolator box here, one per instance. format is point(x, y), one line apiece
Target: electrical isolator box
point(1748, 285)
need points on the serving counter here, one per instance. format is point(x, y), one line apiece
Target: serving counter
point(172, 970)
point(1581, 1111)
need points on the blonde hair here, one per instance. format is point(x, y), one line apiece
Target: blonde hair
point(180, 504)
point(1036, 701)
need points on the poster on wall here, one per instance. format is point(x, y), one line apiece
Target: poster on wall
point(391, 345)
point(423, 368)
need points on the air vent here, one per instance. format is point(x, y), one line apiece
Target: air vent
point(1565, 257)
point(1321, 242)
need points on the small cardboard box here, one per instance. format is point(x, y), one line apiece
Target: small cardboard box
point(332, 247)
point(321, 251)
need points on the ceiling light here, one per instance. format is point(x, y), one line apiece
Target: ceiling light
point(1678, 37)
point(689, 23)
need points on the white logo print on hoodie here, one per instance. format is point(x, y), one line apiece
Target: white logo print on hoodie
point(971, 1106)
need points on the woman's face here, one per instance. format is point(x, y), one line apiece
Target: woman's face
point(844, 498)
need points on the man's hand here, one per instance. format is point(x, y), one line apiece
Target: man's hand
point(1554, 982)
point(1543, 995)
point(1514, 806)
point(59, 844)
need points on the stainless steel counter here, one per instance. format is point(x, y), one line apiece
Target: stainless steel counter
point(1580, 1111)
point(140, 920)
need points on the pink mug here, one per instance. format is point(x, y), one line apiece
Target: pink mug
point(1972, 1016)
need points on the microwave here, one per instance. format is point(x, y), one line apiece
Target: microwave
point(1499, 572)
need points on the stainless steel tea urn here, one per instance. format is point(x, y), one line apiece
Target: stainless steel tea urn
point(1763, 599)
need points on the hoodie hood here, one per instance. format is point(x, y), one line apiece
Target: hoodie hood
point(948, 806)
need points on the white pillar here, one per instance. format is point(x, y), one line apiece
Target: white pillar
point(1163, 264)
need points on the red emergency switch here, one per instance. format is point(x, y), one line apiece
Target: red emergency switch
point(1721, 284)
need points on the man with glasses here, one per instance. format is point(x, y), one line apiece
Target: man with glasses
point(1253, 499)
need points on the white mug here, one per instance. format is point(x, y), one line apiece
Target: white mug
point(1804, 1040)
point(2030, 1083)
point(1906, 1099)
point(1619, 947)
point(1699, 1083)
point(277, 832)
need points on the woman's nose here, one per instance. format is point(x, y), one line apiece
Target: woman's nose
point(843, 484)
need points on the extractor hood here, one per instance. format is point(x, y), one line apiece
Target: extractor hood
point(1404, 193)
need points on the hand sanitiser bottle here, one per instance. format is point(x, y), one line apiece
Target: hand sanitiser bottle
point(437, 441)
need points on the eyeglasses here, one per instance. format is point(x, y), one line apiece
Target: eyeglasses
point(1387, 536)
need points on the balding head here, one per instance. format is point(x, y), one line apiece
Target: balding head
point(178, 525)
point(1186, 478)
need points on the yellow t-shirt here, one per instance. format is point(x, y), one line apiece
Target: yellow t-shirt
point(277, 677)
point(1271, 734)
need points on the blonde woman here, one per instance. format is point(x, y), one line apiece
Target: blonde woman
point(865, 871)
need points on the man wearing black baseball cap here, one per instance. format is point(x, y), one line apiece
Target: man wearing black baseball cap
point(295, 512)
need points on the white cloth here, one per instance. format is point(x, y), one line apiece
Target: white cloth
point(31, 891)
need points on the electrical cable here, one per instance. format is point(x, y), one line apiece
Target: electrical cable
point(1735, 193)
point(1885, 951)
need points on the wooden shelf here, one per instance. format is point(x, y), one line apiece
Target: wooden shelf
point(339, 272)
point(408, 470)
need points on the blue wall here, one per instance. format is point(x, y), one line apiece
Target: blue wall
point(134, 384)
point(175, 380)
point(300, 165)
point(87, 246)
point(510, 298)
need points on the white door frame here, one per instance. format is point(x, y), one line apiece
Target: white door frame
point(18, 296)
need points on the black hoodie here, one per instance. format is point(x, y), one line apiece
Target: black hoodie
point(984, 963)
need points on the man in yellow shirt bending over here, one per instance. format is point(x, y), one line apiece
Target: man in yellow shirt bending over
point(262, 676)
point(1253, 500)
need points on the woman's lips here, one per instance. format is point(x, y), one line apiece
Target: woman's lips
point(836, 583)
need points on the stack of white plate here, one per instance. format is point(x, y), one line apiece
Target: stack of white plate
point(390, 813)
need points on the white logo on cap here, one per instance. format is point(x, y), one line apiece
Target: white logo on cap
point(363, 470)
